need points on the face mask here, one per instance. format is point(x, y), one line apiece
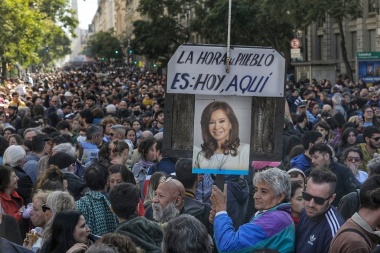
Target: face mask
point(136, 113)
point(81, 138)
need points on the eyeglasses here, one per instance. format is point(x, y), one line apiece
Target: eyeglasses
point(44, 208)
point(318, 200)
point(376, 139)
point(170, 179)
point(370, 112)
point(353, 159)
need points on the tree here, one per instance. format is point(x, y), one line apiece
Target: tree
point(161, 32)
point(27, 26)
point(251, 24)
point(103, 45)
point(339, 10)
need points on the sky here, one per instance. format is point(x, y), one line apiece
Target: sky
point(86, 11)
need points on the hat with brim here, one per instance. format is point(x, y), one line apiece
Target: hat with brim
point(62, 160)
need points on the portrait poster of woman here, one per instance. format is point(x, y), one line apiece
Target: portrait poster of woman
point(222, 126)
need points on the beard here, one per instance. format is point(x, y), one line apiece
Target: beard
point(162, 215)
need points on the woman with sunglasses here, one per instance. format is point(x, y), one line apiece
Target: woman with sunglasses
point(69, 234)
point(33, 239)
point(56, 202)
point(353, 159)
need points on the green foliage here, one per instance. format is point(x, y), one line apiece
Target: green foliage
point(157, 38)
point(161, 33)
point(103, 45)
point(28, 26)
point(339, 9)
point(253, 23)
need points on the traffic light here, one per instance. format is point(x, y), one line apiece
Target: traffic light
point(135, 62)
point(155, 65)
point(130, 51)
point(102, 58)
point(116, 51)
point(47, 49)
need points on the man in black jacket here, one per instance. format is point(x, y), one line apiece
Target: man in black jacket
point(322, 158)
point(192, 206)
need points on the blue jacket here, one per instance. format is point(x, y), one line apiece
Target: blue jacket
point(314, 235)
point(31, 166)
point(301, 162)
point(273, 229)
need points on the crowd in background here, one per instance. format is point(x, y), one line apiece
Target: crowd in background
point(82, 170)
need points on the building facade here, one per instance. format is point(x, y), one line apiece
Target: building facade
point(321, 50)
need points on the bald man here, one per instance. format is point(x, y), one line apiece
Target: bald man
point(168, 202)
point(326, 108)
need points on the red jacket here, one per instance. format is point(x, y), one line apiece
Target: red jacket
point(11, 206)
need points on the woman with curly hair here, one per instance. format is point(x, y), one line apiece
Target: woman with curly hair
point(221, 148)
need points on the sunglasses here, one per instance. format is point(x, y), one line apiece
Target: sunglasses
point(44, 208)
point(318, 200)
point(353, 159)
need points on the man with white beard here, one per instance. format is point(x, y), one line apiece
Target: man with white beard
point(168, 201)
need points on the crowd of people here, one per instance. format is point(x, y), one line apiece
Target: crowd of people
point(82, 170)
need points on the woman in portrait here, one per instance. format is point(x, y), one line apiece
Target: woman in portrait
point(221, 148)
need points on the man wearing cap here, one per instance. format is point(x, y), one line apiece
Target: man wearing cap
point(301, 108)
point(65, 162)
point(146, 117)
point(68, 95)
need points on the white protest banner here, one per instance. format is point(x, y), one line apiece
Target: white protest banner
point(201, 69)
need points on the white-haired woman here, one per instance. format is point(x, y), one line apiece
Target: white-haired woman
point(271, 227)
point(14, 157)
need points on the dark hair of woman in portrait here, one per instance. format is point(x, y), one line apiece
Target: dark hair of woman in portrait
point(68, 232)
point(210, 145)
